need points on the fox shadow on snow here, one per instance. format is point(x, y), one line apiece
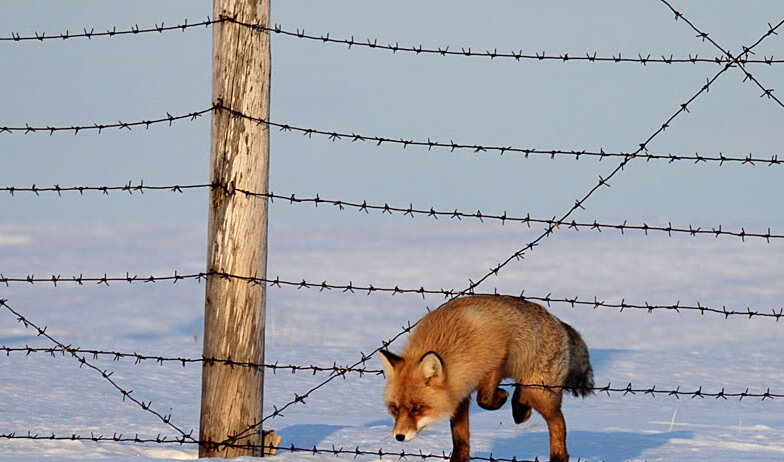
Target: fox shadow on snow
point(608, 446)
point(307, 435)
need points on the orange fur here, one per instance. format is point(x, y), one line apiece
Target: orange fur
point(469, 344)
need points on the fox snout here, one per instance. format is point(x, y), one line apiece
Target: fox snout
point(407, 429)
point(408, 436)
point(406, 426)
point(405, 437)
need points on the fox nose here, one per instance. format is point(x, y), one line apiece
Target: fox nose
point(400, 437)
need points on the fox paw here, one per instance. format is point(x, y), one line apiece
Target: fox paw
point(460, 453)
point(559, 457)
point(520, 412)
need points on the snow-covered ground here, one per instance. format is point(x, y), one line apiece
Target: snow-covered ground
point(44, 394)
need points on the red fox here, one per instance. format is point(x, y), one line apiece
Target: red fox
point(471, 343)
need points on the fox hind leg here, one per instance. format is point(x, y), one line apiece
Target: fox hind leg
point(548, 403)
point(521, 410)
point(489, 395)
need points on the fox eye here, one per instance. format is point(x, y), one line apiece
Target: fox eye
point(393, 410)
point(417, 408)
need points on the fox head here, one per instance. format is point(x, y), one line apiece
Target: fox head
point(416, 394)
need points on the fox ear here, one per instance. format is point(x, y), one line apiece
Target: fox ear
point(431, 367)
point(390, 362)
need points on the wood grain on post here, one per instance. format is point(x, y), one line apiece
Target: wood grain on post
point(231, 397)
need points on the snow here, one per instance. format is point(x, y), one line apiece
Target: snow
point(45, 394)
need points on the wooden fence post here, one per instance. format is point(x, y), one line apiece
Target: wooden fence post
point(232, 397)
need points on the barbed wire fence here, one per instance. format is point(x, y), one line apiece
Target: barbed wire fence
point(603, 181)
point(725, 61)
point(335, 371)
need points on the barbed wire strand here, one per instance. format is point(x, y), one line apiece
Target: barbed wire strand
point(491, 54)
point(364, 206)
point(334, 451)
point(578, 204)
point(370, 289)
point(356, 452)
point(120, 125)
point(452, 146)
point(608, 389)
point(698, 158)
point(130, 188)
point(374, 44)
point(183, 361)
point(126, 394)
point(113, 32)
point(628, 390)
point(766, 92)
point(517, 255)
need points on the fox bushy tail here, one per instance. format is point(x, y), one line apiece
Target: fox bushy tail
point(579, 378)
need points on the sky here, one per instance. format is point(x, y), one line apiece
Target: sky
point(475, 100)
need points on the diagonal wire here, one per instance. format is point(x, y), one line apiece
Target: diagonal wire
point(603, 181)
point(578, 204)
point(746, 51)
point(126, 394)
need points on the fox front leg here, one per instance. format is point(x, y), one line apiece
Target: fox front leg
point(460, 436)
point(488, 395)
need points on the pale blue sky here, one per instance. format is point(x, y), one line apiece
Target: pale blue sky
point(468, 100)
